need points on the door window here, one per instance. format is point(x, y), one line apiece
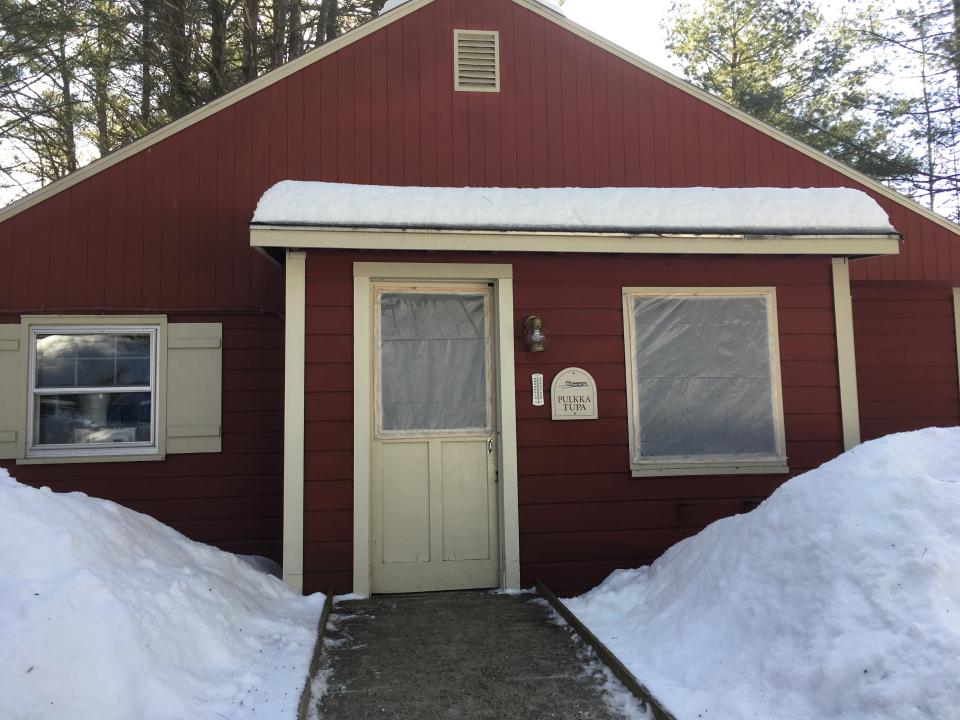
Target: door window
point(433, 364)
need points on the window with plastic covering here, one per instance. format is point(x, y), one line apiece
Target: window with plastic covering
point(703, 381)
point(434, 364)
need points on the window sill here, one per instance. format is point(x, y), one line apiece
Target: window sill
point(680, 469)
point(92, 458)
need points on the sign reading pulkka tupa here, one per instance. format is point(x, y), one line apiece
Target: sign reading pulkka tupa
point(573, 395)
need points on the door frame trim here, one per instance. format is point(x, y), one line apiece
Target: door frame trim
point(364, 274)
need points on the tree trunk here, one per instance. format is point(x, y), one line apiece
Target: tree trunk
point(295, 31)
point(278, 51)
point(101, 97)
point(66, 116)
point(146, 60)
point(182, 99)
point(330, 19)
point(248, 52)
point(218, 46)
point(955, 44)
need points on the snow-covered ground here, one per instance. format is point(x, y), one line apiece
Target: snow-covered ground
point(838, 597)
point(107, 614)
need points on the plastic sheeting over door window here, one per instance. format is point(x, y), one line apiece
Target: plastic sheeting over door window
point(703, 378)
point(433, 362)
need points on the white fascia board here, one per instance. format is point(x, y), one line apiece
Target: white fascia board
point(264, 236)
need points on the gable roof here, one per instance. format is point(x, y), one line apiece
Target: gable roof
point(408, 8)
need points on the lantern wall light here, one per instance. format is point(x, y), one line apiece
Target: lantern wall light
point(535, 333)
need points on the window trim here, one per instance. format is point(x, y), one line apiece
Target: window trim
point(75, 324)
point(705, 466)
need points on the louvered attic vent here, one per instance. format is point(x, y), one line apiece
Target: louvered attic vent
point(477, 60)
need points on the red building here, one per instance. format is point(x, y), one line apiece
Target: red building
point(310, 401)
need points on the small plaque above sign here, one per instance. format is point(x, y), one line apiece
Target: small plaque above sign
point(573, 395)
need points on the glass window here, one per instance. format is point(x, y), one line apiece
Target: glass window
point(704, 383)
point(433, 362)
point(92, 389)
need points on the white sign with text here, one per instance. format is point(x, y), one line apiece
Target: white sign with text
point(573, 395)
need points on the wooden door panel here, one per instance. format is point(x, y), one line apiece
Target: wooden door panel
point(466, 500)
point(405, 495)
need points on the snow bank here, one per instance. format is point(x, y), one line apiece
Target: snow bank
point(622, 210)
point(838, 597)
point(391, 4)
point(108, 614)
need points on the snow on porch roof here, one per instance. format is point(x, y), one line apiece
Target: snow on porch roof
point(699, 211)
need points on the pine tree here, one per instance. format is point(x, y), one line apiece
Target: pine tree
point(923, 37)
point(80, 78)
point(780, 61)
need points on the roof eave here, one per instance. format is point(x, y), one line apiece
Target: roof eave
point(574, 241)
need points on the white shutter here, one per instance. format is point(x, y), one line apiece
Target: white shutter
point(477, 61)
point(194, 387)
point(12, 391)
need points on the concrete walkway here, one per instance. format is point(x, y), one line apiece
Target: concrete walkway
point(456, 655)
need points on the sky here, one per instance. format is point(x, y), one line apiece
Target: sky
point(632, 24)
point(635, 24)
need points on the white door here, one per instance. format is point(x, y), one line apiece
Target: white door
point(433, 460)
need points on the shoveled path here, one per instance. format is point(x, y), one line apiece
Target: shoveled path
point(455, 655)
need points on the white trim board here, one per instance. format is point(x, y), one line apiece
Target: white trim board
point(294, 368)
point(502, 277)
point(956, 320)
point(270, 236)
point(846, 353)
point(402, 11)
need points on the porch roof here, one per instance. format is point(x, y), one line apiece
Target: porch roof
point(631, 211)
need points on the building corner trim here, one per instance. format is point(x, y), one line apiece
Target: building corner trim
point(956, 321)
point(846, 353)
point(293, 418)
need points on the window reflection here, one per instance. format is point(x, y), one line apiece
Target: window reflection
point(92, 418)
point(95, 360)
point(92, 388)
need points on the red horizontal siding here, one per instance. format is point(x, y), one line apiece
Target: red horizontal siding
point(578, 501)
point(166, 230)
point(906, 357)
point(231, 499)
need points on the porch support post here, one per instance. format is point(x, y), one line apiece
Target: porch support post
point(362, 432)
point(510, 565)
point(293, 445)
point(846, 354)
